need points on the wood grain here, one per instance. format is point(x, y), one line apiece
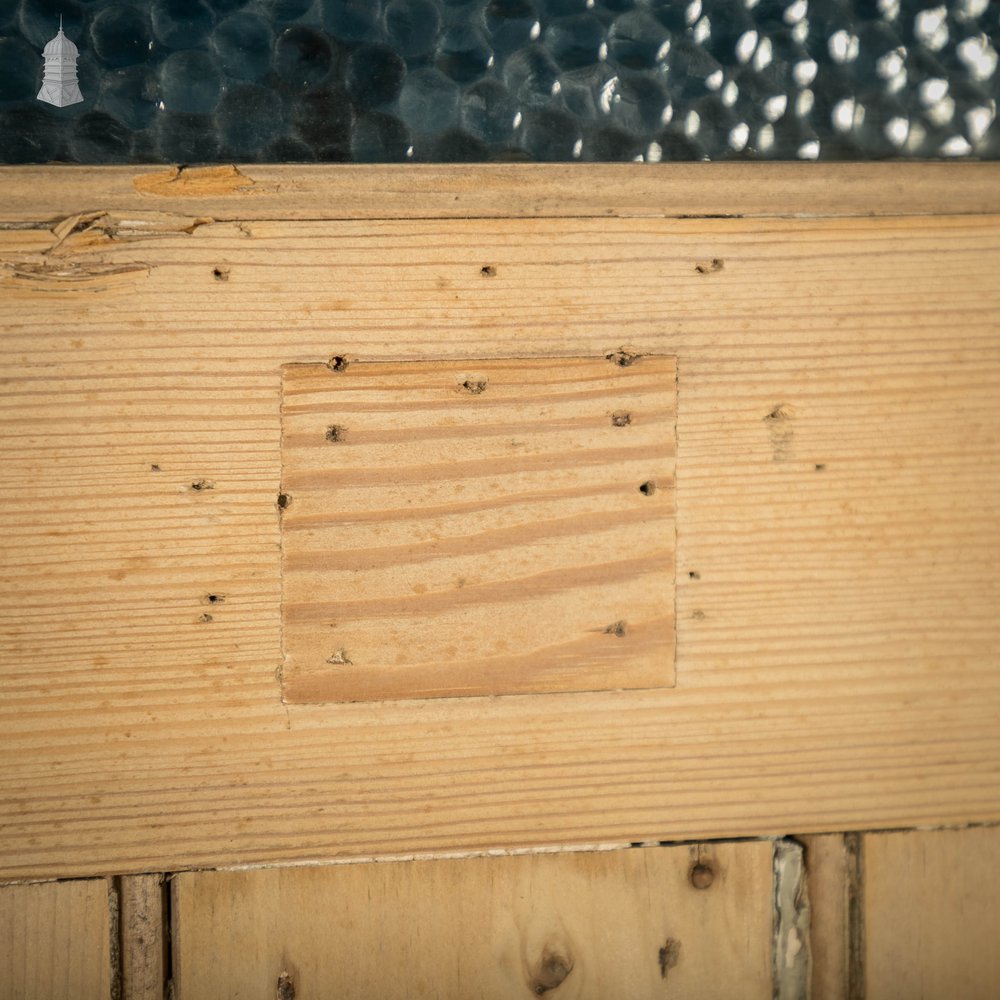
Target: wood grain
point(827, 878)
point(54, 941)
point(619, 925)
point(837, 543)
point(932, 909)
point(480, 527)
point(143, 937)
point(543, 190)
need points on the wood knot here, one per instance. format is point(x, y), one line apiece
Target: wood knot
point(702, 876)
point(551, 972)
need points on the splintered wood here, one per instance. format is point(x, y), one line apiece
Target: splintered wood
point(477, 528)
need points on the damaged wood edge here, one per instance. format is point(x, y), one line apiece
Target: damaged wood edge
point(118, 227)
point(791, 955)
point(74, 257)
point(514, 190)
point(74, 275)
point(198, 182)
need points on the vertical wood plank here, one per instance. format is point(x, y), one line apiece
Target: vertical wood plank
point(827, 876)
point(635, 924)
point(54, 941)
point(932, 915)
point(143, 937)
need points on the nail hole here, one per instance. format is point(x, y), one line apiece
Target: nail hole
point(623, 358)
point(154, 468)
point(335, 432)
point(220, 273)
point(820, 467)
point(694, 575)
point(488, 271)
point(283, 501)
point(200, 485)
point(216, 598)
point(621, 418)
point(710, 267)
point(474, 386)
point(286, 987)
point(337, 363)
point(648, 488)
point(339, 656)
point(702, 876)
point(617, 629)
point(206, 618)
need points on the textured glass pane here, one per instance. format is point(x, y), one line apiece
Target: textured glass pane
point(447, 80)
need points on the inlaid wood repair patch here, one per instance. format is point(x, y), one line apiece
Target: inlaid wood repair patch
point(477, 528)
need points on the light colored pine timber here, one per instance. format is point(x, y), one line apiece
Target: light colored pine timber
point(494, 527)
point(837, 539)
point(143, 936)
point(544, 190)
point(617, 925)
point(932, 914)
point(827, 879)
point(54, 941)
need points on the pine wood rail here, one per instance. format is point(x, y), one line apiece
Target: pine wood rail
point(837, 491)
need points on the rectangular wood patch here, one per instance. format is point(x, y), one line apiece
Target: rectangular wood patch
point(477, 528)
